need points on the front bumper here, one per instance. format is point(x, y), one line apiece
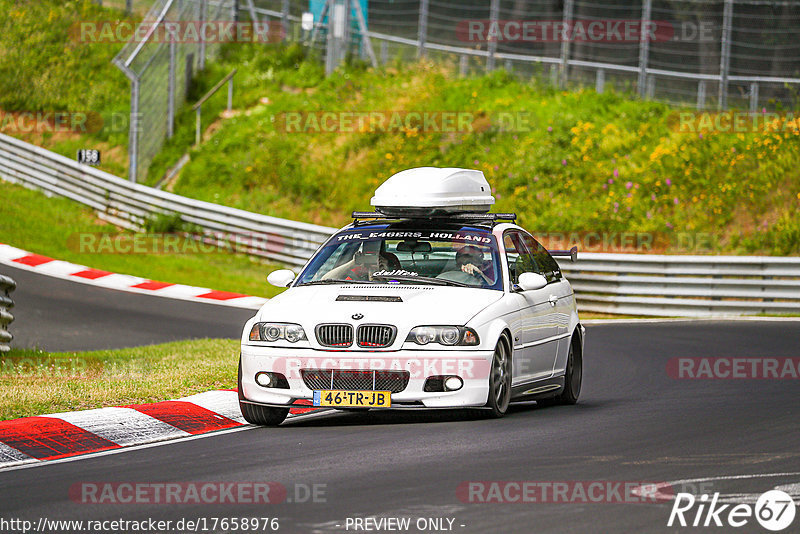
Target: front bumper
point(471, 365)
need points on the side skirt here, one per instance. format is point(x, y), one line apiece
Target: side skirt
point(540, 389)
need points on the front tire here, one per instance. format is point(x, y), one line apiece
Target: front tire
point(500, 380)
point(259, 415)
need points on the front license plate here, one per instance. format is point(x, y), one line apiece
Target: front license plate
point(353, 399)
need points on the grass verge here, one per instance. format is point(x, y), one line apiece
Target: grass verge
point(36, 383)
point(584, 166)
point(53, 227)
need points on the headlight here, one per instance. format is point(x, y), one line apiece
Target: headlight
point(275, 331)
point(444, 335)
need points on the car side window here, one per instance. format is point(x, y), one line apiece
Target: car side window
point(548, 267)
point(519, 259)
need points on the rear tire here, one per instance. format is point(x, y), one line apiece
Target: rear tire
point(572, 380)
point(500, 380)
point(259, 415)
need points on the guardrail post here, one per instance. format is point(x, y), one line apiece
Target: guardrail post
point(7, 285)
point(644, 46)
point(422, 30)
point(384, 53)
point(564, 65)
point(701, 95)
point(494, 11)
point(230, 94)
point(462, 65)
point(754, 97)
point(600, 81)
point(725, 54)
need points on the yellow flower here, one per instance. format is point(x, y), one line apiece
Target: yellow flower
point(389, 155)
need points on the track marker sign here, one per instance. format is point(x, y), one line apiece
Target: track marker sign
point(89, 156)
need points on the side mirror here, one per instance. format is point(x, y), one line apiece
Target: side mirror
point(531, 281)
point(281, 278)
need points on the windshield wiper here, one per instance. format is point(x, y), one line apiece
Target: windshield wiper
point(424, 279)
point(333, 281)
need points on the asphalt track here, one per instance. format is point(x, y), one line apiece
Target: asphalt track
point(633, 423)
point(59, 315)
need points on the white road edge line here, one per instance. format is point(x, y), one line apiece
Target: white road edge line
point(710, 318)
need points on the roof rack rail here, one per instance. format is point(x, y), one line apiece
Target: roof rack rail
point(451, 216)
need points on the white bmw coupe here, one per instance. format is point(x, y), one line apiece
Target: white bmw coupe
point(429, 302)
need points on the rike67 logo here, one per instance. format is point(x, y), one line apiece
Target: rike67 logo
point(774, 510)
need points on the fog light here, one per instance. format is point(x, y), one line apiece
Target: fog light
point(453, 383)
point(263, 379)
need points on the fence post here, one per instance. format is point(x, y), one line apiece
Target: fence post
point(337, 34)
point(462, 65)
point(422, 30)
point(725, 54)
point(564, 66)
point(644, 46)
point(202, 59)
point(600, 81)
point(171, 90)
point(133, 132)
point(197, 125)
point(128, 6)
point(754, 97)
point(493, 14)
point(235, 10)
point(701, 95)
point(285, 18)
point(230, 94)
point(384, 53)
point(651, 87)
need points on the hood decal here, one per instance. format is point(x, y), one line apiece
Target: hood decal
point(368, 298)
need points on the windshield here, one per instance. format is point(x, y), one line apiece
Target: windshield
point(466, 257)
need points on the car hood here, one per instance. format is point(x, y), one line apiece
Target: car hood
point(403, 306)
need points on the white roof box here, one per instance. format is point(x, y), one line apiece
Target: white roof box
point(433, 190)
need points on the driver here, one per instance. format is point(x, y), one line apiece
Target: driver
point(469, 259)
point(371, 258)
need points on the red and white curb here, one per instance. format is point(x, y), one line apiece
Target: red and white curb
point(62, 435)
point(22, 259)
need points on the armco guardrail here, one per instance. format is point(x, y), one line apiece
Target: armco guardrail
point(659, 285)
point(7, 285)
point(635, 284)
point(129, 205)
